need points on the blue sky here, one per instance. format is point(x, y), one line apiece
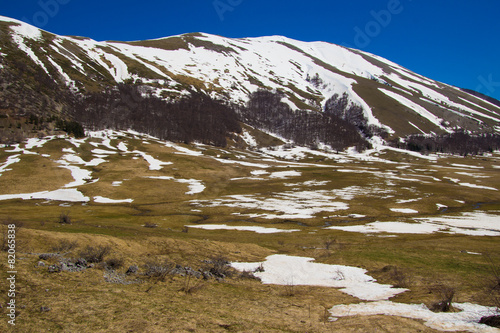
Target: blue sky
point(453, 41)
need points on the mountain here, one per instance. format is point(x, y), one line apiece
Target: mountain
point(201, 87)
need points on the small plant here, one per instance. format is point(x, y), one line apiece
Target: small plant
point(289, 289)
point(248, 275)
point(493, 289)
point(219, 267)
point(158, 270)
point(329, 243)
point(64, 246)
point(339, 275)
point(132, 270)
point(95, 254)
point(114, 263)
point(64, 218)
point(325, 315)
point(402, 278)
point(446, 295)
point(259, 269)
point(190, 288)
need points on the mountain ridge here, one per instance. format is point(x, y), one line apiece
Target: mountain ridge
point(307, 76)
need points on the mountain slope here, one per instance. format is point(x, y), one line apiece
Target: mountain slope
point(50, 70)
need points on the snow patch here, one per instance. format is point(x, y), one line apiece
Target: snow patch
point(290, 270)
point(259, 230)
point(465, 320)
point(104, 200)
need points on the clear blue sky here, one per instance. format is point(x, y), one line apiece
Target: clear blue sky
point(453, 41)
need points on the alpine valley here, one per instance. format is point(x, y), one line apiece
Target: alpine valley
point(198, 183)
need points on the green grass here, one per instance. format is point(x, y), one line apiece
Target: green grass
point(96, 305)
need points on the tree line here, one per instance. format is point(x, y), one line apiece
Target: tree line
point(201, 118)
point(195, 117)
point(459, 142)
point(266, 111)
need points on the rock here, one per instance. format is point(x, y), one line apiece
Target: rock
point(132, 270)
point(54, 269)
point(493, 321)
point(44, 309)
point(41, 264)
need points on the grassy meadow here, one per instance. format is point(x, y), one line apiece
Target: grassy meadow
point(383, 186)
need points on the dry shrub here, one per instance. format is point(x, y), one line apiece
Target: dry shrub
point(64, 245)
point(219, 267)
point(114, 263)
point(446, 295)
point(190, 287)
point(64, 218)
point(158, 269)
point(95, 254)
point(248, 275)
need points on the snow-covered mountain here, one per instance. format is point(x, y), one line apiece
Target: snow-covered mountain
point(35, 63)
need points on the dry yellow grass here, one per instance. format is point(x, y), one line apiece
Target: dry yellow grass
point(85, 302)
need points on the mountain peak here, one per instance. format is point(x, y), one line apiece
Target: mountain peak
point(310, 76)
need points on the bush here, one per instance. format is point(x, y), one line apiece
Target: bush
point(132, 270)
point(64, 218)
point(248, 275)
point(219, 267)
point(95, 254)
point(158, 270)
point(64, 245)
point(114, 263)
point(189, 287)
point(150, 225)
point(446, 295)
point(493, 321)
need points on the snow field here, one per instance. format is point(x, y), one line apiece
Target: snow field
point(473, 223)
point(291, 270)
point(465, 320)
point(259, 230)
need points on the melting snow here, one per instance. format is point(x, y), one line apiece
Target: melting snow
point(154, 164)
point(291, 205)
point(195, 186)
point(259, 230)
point(284, 174)
point(404, 210)
point(100, 199)
point(290, 270)
point(10, 160)
point(465, 320)
point(473, 224)
point(478, 186)
point(71, 195)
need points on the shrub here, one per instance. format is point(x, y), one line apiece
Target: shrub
point(248, 275)
point(64, 218)
point(158, 270)
point(114, 263)
point(95, 254)
point(219, 267)
point(189, 287)
point(132, 269)
point(446, 295)
point(64, 245)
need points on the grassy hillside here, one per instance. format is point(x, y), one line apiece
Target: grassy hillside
point(199, 185)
